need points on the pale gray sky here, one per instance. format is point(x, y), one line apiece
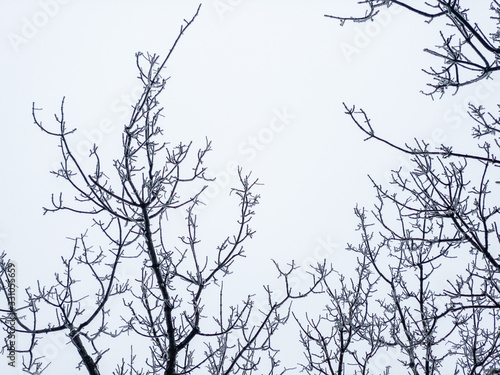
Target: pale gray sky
point(263, 80)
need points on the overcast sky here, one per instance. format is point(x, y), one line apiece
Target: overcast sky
point(264, 81)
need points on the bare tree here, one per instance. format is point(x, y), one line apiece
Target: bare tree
point(428, 279)
point(427, 287)
point(176, 306)
point(332, 339)
point(436, 253)
point(469, 52)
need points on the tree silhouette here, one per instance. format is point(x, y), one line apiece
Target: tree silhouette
point(469, 51)
point(426, 290)
point(176, 305)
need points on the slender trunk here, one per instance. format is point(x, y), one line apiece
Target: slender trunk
point(167, 307)
point(86, 358)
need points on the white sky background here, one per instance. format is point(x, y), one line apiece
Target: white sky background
point(230, 73)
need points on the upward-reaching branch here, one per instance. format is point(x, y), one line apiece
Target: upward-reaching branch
point(168, 305)
point(468, 55)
